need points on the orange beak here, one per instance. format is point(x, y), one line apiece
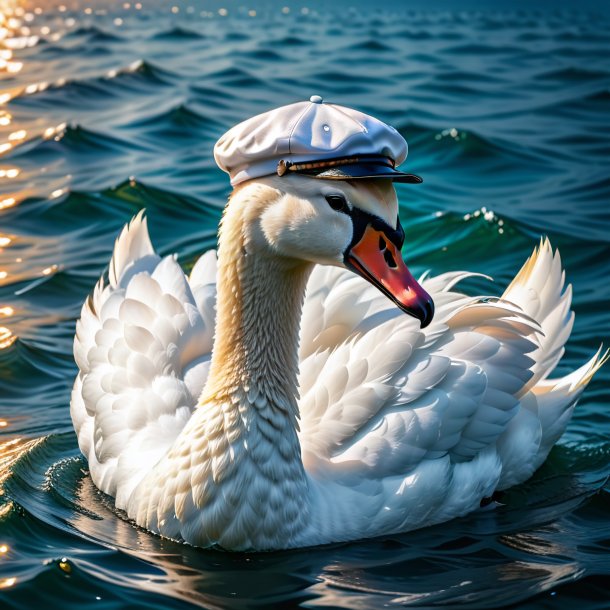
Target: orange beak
point(378, 260)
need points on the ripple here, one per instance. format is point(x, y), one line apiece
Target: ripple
point(236, 77)
point(372, 45)
point(55, 494)
point(455, 147)
point(71, 140)
point(177, 33)
point(177, 122)
point(236, 36)
point(481, 49)
point(139, 75)
point(262, 55)
point(573, 74)
point(603, 97)
point(93, 33)
point(289, 41)
point(332, 76)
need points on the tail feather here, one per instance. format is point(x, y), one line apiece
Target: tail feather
point(539, 290)
point(556, 399)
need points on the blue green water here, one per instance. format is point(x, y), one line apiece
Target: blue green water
point(113, 109)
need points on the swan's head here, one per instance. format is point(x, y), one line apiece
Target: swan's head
point(348, 223)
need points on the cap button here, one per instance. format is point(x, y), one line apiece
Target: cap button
point(316, 99)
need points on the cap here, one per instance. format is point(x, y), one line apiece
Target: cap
point(315, 139)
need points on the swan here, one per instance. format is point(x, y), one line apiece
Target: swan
point(279, 397)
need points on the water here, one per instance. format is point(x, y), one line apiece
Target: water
point(506, 114)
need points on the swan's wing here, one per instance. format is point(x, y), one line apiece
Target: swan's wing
point(381, 395)
point(142, 346)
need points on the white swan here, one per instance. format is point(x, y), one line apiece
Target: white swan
point(396, 428)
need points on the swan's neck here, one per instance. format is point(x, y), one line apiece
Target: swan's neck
point(248, 409)
point(257, 325)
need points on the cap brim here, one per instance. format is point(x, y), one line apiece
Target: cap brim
point(364, 171)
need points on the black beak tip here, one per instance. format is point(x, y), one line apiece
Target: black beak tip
point(426, 313)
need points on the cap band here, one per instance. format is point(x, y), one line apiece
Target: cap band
point(311, 167)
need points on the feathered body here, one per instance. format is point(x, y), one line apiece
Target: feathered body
point(388, 427)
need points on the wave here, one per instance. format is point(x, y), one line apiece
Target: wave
point(93, 50)
point(573, 74)
point(410, 34)
point(462, 76)
point(72, 141)
point(336, 76)
point(482, 50)
point(44, 372)
point(372, 45)
point(289, 41)
point(435, 239)
point(455, 144)
point(457, 89)
point(79, 140)
point(588, 37)
point(140, 75)
point(602, 96)
point(98, 216)
point(531, 36)
point(178, 122)
point(588, 105)
point(207, 94)
point(139, 195)
point(93, 33)
point(236, 36)
point(177, 33)
point(148, 71)
point(261, 55)
point(236, 77)
point(426, 58)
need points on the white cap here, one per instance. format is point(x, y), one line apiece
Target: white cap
point(314, 138)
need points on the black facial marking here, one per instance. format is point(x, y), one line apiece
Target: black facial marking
point(389, 259)
point(401, 232)
point(361, 220)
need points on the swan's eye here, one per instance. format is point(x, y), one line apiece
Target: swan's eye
point(337, 202)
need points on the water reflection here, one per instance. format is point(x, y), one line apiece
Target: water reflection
point(10, 30)
point(454, 563)
point(5, 583)
point(10, 451)
point(6, 337)
point(10, 173)
point(17, 136)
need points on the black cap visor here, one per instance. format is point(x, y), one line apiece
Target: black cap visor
point(363, 171)
point(361, 167)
